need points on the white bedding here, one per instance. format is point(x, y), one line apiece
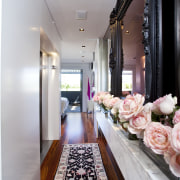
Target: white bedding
point(64, 104)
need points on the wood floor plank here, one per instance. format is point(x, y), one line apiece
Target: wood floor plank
point(77, 128)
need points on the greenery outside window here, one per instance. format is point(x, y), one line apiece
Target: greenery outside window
point(127, 80)
point(70, 80)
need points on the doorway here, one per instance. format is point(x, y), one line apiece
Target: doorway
point(71, 88)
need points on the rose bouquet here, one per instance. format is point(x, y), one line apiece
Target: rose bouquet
point(103, 98)
point(99, 97)
point(114, 108)
point(114, 113)
point(108, 103)
point(130, 111)
point(157, 123)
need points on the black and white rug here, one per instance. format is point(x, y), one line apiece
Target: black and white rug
point(81, 162)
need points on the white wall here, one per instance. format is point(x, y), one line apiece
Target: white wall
point(51, 119)
point(101, 65)
point(54, 121)
point(103, 56)
point(20, 89)
point(86, 73)
point(45, 72)
point(20, 66)
point(50, 42)
point(97, 68)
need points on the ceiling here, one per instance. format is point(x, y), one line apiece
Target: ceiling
point(64, 16)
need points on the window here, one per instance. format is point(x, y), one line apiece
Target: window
point(70, 80)
point(127, 80)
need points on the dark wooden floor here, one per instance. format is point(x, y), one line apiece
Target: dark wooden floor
point(77, 128)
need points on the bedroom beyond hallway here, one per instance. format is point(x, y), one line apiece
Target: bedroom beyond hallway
point(71, 89)
point(78, 128)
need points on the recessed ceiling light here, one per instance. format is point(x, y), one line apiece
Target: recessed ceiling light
point(34, 28)
point(83, 46)
point(127, 32)
point(81, 29)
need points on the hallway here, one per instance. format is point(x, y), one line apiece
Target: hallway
point(77, 128)
point(106, 39)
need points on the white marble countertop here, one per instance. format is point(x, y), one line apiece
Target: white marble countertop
point(132, 161)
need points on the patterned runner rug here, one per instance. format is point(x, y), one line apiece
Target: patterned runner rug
point(80, 162)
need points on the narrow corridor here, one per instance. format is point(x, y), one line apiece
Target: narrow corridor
point(77, 128)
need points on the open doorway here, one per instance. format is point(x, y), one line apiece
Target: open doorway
point(71, 88)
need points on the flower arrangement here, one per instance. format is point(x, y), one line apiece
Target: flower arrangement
point(157, 123)
point(108, 103)
point(103, 99)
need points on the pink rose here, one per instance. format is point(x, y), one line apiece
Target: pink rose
point(164, 105)
point(114, 100)
point(176, 118)
point(106, 103)
point(101, 96)
point(115, 108)
point(107, 99)
point(148, 107)
point(156, 137)
point(174, 164)
point(131, 106)
point(96, 98)
point(168, 154)
point(138, 123)
point(175, 138)
point(111, 102)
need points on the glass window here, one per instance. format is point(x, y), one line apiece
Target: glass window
point(127, 80)
point(70, 80)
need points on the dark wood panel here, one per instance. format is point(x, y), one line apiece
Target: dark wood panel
point(116, 52)
point(168, 47)
point(152, 31)
point(77, 128)
point(161, 42)
point(177, 47)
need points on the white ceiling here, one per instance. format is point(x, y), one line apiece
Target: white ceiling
point(64, 15)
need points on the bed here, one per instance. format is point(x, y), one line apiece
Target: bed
point(64, 106)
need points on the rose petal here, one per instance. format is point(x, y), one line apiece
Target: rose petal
point(175, 165)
